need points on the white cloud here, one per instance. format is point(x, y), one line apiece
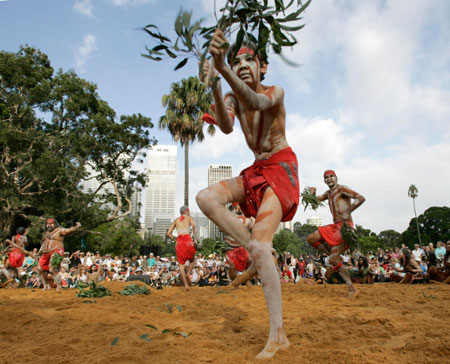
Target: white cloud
point(128, 3)
point(84, 52)
point(84, 7)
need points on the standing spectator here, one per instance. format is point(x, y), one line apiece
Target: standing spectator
point(144, 263)
point(417, 253)
point(301, 267)
point(440, 251)
point(151, 260)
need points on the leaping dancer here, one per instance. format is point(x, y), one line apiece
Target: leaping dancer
point(328, 239)
point(269, 189)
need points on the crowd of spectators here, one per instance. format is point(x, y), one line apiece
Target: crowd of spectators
point(397, 265)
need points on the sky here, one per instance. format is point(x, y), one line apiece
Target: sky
point(370, 99)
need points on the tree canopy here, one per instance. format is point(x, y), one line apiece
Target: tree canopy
point(56, 133)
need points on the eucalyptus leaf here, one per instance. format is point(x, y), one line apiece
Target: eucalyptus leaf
point(115, 341)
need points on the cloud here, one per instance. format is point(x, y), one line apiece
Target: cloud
point(131, 3)
point(84, 52)
point(84, 7)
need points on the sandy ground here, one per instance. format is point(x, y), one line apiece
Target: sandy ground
point(387, 323)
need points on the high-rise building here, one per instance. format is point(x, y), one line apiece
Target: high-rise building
point(285, 225)
point(160, 191)
point(201, 225)
point(314, 221)
point(217, 173)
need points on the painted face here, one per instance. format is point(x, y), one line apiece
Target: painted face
point(246, 66)
point(51, 226)
point(330, 180)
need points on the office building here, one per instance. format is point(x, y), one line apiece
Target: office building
point(217, 173)
point(160, 191)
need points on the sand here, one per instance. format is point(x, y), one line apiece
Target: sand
point(387, 323)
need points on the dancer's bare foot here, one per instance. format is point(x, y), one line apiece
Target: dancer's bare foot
point(353, 292)
point(273, 345)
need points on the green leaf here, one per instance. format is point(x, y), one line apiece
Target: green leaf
point(181, 64)
point(165, 331)
point(115, 341)
point(239, 39)
point(171, 55)
point(179, 308)
point(151, 326)
point(183, 334)
point(145, 337)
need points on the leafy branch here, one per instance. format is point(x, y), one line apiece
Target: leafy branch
point(310, 200)
point(254, 20)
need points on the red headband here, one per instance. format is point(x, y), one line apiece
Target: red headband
point(246, 50)
point(327, 172)
point(50, 221)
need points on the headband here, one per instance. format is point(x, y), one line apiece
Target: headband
point(327, 172)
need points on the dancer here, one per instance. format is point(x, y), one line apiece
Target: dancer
point(16, 256)
point(269, 189)
point(185, 248)
point(52, 246)
point(328, 239)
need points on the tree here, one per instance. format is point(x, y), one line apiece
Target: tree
point(53, 127)
point(302, 231)
point(119, 237)
point(286, 240)
point(434, 224)
point(185, 105)
point(390, 239)
point(210, 246)
point(413, 193)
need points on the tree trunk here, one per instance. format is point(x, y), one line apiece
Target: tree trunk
point(7, 219)
point(186, 173)
point(417, 223)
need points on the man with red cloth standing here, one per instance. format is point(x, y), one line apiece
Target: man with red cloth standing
point(16, 256)
point(328, 239)
point(52, 244)
point(185, 248)
point(267, 190)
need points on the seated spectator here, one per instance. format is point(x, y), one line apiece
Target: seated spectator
point(94, 274)
point(222, 276)
point(166, 277)
point(410, 267)
point(63, 276)
point(286, 275)
point(33, 281)
point(361, 273)
point(196, 275)
point(72, 277)
point(82, 277)
point(442, 273)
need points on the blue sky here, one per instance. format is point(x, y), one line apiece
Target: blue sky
point(371, 98)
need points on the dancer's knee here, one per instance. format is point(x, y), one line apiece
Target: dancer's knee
point(205, 199)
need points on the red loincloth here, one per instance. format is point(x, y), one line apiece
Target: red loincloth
point(331, 234)
point(16, 258)
point(280, 172)
point(44, 260)
point(239, 258)
point(185, 248)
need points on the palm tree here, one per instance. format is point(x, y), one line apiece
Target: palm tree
point(185, 105)
point(413, 192)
